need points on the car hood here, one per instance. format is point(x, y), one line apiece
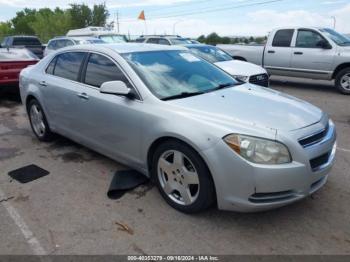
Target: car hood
point(236, 67)
point(250, 105)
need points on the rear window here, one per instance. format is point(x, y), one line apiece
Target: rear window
point(16, 54)
point(26, 41)
point(68, 65)
point(283, 38)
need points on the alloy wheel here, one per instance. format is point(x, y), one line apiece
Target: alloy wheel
point(178, 177)
point(37, 119)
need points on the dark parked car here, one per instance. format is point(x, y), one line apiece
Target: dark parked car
point(12, 61)
point(32, 43)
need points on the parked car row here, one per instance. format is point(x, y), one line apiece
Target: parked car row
point(242, 71)
point(316, 53)
point(203, 136)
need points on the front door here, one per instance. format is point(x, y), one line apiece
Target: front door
point(311, 59)
point(108, 122)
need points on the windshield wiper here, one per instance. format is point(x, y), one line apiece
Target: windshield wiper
point(223, 86)
point(182, 95)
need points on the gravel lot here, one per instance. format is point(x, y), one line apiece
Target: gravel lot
point(68, 212)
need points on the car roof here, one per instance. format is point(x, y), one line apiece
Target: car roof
point(23, 36)
point(74, 38)
point(197, 45)
point(123, 48)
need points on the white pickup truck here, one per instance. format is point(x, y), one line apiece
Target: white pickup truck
point(315, 53)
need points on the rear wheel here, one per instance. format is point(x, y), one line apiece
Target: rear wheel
point(342, 81)
point(38, 121)
point(182, 177)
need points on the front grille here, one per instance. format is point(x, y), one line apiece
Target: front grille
point(314, 138)
point(271, 197)
point(261, 80)
point(317, 162)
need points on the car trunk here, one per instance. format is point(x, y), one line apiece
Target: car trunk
point(9, 71)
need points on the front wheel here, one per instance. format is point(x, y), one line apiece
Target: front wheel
point(182, 177)
point(342, 81)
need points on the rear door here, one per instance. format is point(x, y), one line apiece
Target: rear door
point(63, 92)
point(309, 58)
point(277, 57)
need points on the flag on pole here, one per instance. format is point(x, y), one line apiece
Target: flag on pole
point(142, 16)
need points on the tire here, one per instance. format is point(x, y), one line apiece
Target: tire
point(185, 183)
point(38, 122)
point(342, 81)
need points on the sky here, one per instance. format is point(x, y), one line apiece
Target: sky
point(192, 18)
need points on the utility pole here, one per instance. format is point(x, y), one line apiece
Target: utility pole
point(117, 21)
point(334, 21)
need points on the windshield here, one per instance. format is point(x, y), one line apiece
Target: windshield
point(113, 38)
point(172, 73)
point(211, 53)
point(180, 41)
point(338, 38)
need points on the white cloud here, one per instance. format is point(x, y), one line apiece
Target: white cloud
point(260, 23)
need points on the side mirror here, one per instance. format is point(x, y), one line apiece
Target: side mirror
point(323, 44)
point(116, 88)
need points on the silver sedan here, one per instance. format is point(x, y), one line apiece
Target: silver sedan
point(203, 137)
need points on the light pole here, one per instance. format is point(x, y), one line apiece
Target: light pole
point(334, 21)
point(174, 25)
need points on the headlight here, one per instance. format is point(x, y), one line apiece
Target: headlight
point(242, 78)
point(259, 150)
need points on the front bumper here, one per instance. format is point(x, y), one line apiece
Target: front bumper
point(246, 187)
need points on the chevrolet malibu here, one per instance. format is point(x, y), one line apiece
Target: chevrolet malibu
point(200, 135)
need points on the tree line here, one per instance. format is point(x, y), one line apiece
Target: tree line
point(214, 38)
point(46, 23)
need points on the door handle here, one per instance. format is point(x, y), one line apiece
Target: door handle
point(42, 83)
point(83, 96)
point(298, 53)
point(271, 51)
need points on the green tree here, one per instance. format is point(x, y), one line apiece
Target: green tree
point(49, 24)
point(99, 15)
point(201, 39)
point(82, 15)
point(213, 39)
point(5, 30)
point(21, 22)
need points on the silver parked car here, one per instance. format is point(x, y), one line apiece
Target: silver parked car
point(203, 137)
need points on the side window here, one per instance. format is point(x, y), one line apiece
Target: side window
point(51, 67)
point(52, 45)
point(68, 43)
point(163, 41)
point(283, 38)
point(68, 65)
point(308, 39)
point(153, 41)
point(60, 44)
point(101, 69)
